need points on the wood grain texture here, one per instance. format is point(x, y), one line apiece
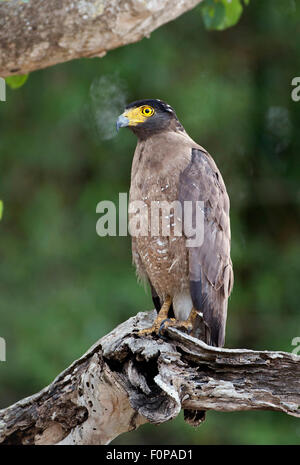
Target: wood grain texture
point(124, 381)
point(39, 33)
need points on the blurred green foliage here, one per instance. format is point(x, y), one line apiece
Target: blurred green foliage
point(62, 287)
point(221, 14)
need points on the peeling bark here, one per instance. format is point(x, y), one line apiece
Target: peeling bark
point(42, 33)
point(125, 380)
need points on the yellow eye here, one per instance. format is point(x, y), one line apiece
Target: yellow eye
point(147, 111)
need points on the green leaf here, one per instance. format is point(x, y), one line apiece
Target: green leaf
point(1, 209)
point(221, 14)
point(233, 13)
point(213, 14)
point(15, 82)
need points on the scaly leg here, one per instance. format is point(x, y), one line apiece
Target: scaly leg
point(186, 324)
point(162, 316)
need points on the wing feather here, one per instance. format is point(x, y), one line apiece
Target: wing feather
point(210, 267)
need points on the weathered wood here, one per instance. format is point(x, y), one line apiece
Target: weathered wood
point(39, 33)
point(124, 381)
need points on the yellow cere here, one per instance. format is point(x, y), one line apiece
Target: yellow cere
point(138, 115)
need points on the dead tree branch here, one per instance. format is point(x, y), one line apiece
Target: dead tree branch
point(37, 34)
point(124, 381)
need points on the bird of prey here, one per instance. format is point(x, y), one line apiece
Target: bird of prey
point(169, 166)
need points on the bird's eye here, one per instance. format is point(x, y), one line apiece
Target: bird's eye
point(147, 111)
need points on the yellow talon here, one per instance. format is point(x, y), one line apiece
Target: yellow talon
point(162, 321)
point(178, 324)
point(162, 315)
point(185, 324)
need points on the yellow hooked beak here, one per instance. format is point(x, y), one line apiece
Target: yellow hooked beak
point(131, 117)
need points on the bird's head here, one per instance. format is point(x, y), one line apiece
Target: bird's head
point(148, 117)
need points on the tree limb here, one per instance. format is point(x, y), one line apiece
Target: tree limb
point(125, 380)
point(38, 34)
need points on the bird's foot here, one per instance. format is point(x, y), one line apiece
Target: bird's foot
point(178, 324)
point(187, 325)
point(162, 316)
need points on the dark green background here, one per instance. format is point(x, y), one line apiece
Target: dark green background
point(62, 287)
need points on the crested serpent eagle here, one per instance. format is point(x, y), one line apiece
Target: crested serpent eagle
point(169, 166)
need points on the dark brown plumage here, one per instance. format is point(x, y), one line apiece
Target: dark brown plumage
point(169, 166)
